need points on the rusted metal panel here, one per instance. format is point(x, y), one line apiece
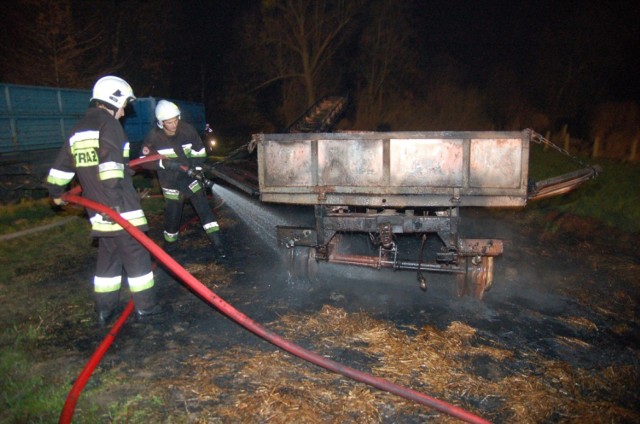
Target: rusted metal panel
point(350, 164)
point(433, 163)
point(495, 163)
point(396, 169)
point(286, 165)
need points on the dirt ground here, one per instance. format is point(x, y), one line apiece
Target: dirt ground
point(554, 340)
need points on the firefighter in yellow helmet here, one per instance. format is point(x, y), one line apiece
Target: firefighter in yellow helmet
point(181, 145)
point(97, 153)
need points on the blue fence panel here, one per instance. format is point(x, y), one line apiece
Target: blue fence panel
point(40, 133)
point(6, 135)
point(192, 113)
point(34, 118)
point(74, 102)
point(139, 119)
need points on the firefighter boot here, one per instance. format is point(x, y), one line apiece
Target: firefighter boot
point(147, 305)
point(104, 318)
point(106, 307)
point(218, 249)
point(170, 247)
point(145, 315)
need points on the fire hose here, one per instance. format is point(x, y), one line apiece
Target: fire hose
point(214, 300)
point(85, 374)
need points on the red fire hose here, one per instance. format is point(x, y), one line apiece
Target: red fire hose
point(240, 318)
point(83, 377)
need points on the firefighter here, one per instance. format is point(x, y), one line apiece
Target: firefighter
point(184, 153)
point(97, 153)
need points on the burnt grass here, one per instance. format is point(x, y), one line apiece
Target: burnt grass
point(566, 289)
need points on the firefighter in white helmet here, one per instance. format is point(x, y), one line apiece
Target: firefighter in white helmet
point(97, 153)
point(181, 146)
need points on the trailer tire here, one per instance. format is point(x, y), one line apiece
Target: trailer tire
point(302, 265)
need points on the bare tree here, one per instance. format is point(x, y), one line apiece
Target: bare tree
point(70, 43)
point(48, 44)
point(386, 64)
point(149, 44)
point(299, 38)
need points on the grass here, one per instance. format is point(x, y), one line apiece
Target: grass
point(28, 213)
point(612, 198)
point(26, 397)
point(34, 339)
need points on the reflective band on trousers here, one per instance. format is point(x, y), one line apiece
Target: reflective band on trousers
point(170, 193)
point(195, 186)
point(144, 282)
point(170, 237)
point(107, 284)
point(211, 227)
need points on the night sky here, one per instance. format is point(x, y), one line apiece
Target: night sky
point(481, 33)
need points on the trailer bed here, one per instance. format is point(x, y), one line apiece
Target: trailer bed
point(388, 188)
point(394, 169)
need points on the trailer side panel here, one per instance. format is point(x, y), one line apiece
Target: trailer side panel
point(396, 169)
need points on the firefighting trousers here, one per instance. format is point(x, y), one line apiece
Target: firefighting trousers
point(116, 254)
point(173, 216)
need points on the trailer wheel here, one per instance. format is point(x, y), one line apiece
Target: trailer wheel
point(477, 278)
point(302, 264)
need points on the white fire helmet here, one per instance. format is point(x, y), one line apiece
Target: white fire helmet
point(113, 90)
point(166, 110)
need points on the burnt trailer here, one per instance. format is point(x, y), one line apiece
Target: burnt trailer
point(385, 185)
